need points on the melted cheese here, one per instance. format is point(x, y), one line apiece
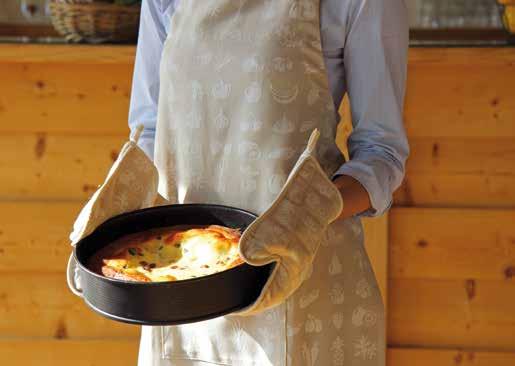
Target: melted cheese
point(172, 254)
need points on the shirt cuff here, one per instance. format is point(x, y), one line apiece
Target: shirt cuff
point(365, 174)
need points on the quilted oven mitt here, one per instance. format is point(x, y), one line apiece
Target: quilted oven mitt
point(290, 231)
point(131, 184)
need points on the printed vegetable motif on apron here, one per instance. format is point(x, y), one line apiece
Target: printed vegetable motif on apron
point(243, 84)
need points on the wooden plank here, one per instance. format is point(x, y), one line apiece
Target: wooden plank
point(461, 56)
point(41, 305)
point(73, 54)
point(119, 54)
point(452, 172)
point(64, 98)
point(460, 93)
point(417, 250)
point(452, 313)
point(452, 244)
point(36, 352)
point(464, 190)
point(124, 352)
point(451, 278)
point(41, 166)
point(458, 156)
point(442, 357)
point(480, 173)
point(52, 85)
point(43, 248)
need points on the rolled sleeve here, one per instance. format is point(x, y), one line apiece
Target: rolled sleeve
point(375, 62)
point(145, 85)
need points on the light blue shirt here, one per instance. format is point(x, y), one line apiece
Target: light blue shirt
point(365, 44)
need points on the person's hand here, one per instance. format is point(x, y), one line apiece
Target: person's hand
point(357, 199)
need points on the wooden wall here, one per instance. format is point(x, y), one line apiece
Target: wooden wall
point(451, 273)
point(452, 236)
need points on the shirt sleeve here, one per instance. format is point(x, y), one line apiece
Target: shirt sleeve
point(145, 84)
point(375, 63)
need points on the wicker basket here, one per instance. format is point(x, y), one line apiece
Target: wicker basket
point(95, 22)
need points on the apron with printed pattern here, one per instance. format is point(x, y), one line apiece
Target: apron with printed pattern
point(243, 84)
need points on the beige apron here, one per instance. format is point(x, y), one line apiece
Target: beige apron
point(243, 84)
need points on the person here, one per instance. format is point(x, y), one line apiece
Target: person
point(228, 92)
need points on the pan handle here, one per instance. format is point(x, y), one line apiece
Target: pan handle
point(70, 276)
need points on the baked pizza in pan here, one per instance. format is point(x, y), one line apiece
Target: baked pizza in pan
point(169, 254)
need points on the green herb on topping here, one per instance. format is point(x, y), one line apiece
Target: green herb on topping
point(177, 245)
point(132, 251)
point(161, 247)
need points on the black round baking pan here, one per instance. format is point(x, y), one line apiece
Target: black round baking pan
point(173, 302)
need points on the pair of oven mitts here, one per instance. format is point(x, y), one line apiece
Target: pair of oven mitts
point(131, 184)
point(288, 232)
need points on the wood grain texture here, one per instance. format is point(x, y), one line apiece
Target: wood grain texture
point(452, 244)
point(76, 54)
point(460, 93)
point(64, 98)
point(474, 97)
point(55, 167)
point(41, 305)
point(442, 357)
point(462, 156)
point(466, 172)
point(451, 278)
point(63, 118)
point(450, 190)
point(47, 352)
point(43, 248)
point(452, 313)
point(125, 54)
point(445, 172)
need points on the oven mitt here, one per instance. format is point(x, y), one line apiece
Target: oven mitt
point(131, 184)
point(290, 231)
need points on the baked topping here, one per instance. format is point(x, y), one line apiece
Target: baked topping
point(168, 254)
